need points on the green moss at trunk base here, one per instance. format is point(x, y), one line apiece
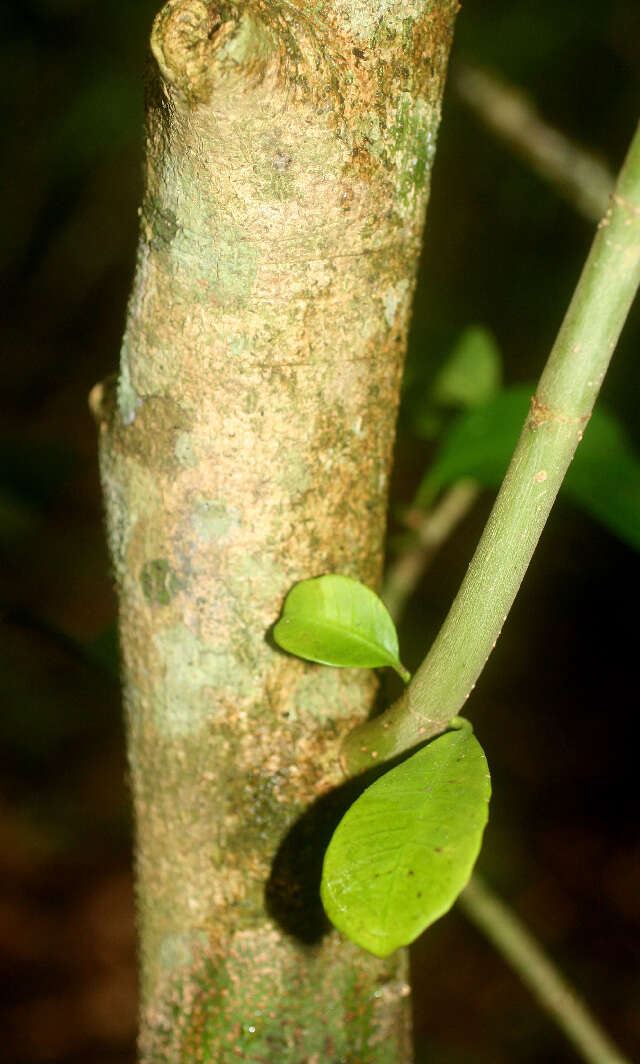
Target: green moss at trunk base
point(271, 1002)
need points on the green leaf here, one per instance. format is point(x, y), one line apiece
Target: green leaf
point(338, 621)
point(472, 372)
point(604, 477)
point(470, 375)
point(480, 443)
point(406, 848)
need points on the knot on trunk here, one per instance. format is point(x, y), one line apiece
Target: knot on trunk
point(199, 44)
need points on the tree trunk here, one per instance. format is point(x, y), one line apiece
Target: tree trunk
point(246, 447)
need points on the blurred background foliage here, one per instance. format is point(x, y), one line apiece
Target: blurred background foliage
point(555, 704)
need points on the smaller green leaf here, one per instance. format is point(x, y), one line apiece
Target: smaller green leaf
point(472, 372)
point(604, 477)
point(338, 621)
point(479, 443)
point(406, 848)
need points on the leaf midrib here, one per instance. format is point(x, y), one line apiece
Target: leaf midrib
point(335, 626)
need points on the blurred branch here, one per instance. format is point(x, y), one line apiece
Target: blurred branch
point(518, 947)
point(578, 176)
point(432, 529)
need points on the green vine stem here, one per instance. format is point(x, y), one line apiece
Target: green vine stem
point(515, 943)
point(585, 182)
point(559, 413)
point(581, 178)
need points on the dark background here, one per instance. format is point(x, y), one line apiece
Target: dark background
point(555, 706)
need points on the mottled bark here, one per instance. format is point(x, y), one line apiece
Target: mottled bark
point(246, 447)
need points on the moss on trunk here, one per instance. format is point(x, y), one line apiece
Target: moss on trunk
point(247, 446)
